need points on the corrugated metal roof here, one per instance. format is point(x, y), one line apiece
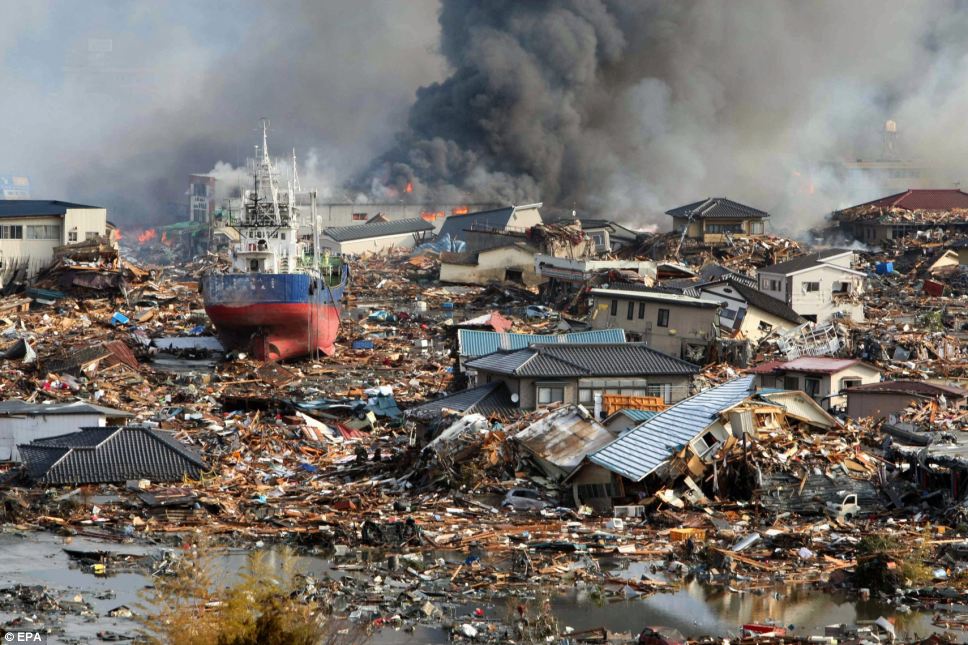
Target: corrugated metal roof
point(641, 450)
point(638, 415)
point(800, 405)
point(16, 407)
point(481, 343)
point(377, 229)
point(490, 399)
point(564, 437)
point(615, 359)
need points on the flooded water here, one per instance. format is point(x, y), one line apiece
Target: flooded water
point(694, 609)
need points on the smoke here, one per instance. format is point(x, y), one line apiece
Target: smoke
point(627, 108)
point(117, 103)
point(619, 108)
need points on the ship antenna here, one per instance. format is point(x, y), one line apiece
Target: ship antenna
point(295, 174)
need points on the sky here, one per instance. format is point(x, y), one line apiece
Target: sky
point(616, 108)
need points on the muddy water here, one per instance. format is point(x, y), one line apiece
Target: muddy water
point(38, 559)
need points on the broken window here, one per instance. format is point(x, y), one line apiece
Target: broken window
point(812, 387)
point(765, 326)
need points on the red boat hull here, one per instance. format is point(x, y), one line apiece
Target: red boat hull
point(277, 331)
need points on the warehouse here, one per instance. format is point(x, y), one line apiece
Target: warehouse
point(376, 236)
point(30, 229)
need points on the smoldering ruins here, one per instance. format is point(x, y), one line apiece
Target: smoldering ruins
point(511, 322)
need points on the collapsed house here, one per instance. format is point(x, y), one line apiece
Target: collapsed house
point(904, 214)
point(22, 422)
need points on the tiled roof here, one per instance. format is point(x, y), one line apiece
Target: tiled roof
point(109, 455)
point(911, 387)
point(717, 208)
point(621, 359)
point(378, 229)
point(922, 199)
point(34, 207)
point(802, 262)
point(16, 407)
point(642, 449)
point(481, 343)
point(809, 364)
point(490, 399)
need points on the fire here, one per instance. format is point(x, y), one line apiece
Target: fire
point(147, 236)
point(431, 216)
point(460, 210)
point(164, 239)
point(409, 187)
point(116, 235)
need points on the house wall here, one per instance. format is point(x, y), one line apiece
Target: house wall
point(368, 245)
point(877, 404)
point(17, 430)
point(686, 323)
point(744, 318)
point(821, 303)
point(40, 253)
point(492, 266)
point(829, 383)
point(591, 474)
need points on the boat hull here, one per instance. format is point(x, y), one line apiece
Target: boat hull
point(273, 316)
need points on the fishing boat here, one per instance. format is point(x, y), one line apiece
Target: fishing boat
point(281, 297)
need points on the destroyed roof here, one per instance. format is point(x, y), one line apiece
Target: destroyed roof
point(481, 343)
point(762, 301)
point(34, 207)
point(490, 399)
point(642, 449)
point(615, 230)
point(473, 258)
point(564, 437)
point(611, 359)
point(932, 199)
point(17, 408)
point(810, 365)
point(109, 455)
point(922, 388)
point(495, 218)
point(808, 261)
point(378, 229)
point(654, 296)
point(717, 208)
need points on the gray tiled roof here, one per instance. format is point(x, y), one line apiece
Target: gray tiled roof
point(802, 262)
point(717, 208)
point(109, 455)
point(619, 359)
point(490, 399)
point(16, 407)
point(641, 450)
point(378, 229)
point(34, 207)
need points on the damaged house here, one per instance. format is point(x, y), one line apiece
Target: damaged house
point(583, 373)
point(907, 213)
point(375, 236)
point(714, 219)
point(560, 441)
point(482, 229)
point(22, 422)
point(823, 378)
point(513, 262)
point(817, 286)
point(748, 312)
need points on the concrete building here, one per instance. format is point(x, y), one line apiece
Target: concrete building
point(511, 263)
point(477, 229)
point(30, 230)
point(889, 398)
point(905, 213)
point(670, 323)
point(817, 286)
point(823, 378)
point(201, 198)
point(544, 374)
point(747, 311)
point(712, 219)
point(375, 236)
point(22, 422)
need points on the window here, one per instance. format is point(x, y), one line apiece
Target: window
point(663, 318)
point(11, 232)
point(599, 240)
point(847, 382)
point(631, 310)
point(724, 228)
point(595, 491)
point(791, 383)
point(253, 265)
point(728, 314)
point(840, 287)
point(43, 231)
point(812, 387)
point(548, 394)
point(614, 307)
point(72, 236)
point(641, 310)
point(765, 326)
point(90, 235)
point(810, 287)
point(359, 217)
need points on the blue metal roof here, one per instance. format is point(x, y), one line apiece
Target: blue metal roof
point(481, 343)
point(642, 449)
point(639, 415)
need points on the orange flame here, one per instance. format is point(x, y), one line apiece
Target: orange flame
point(409, 187)
point(116, 235)
point(164, 239)
point(461, 210)
point(147, 236)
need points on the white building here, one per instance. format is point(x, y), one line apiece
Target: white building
point(30, 229)
point(817, 286)
point(22, 422)
point(376, 236)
